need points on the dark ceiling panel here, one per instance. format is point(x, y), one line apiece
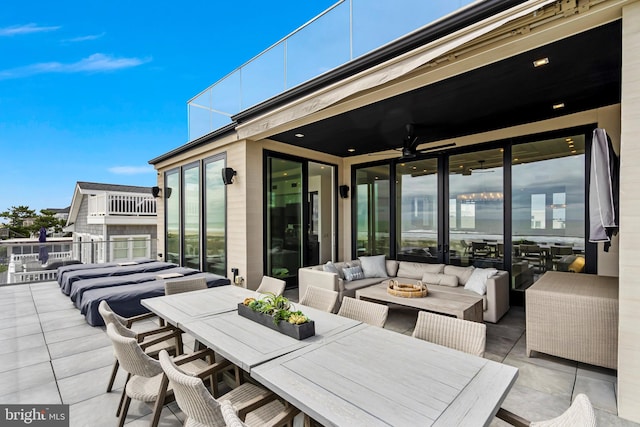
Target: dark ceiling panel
point(584, 73)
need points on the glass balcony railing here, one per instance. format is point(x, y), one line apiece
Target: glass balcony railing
point(345, 31)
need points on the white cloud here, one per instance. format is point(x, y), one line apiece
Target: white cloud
point(84, 38)
point(131, 170)
point(25, 29)
point(98, 62)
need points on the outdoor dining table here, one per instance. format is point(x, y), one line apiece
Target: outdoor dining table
point(348, 373)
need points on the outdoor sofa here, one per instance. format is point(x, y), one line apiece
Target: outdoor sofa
point(446, 278)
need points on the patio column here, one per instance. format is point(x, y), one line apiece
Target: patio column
point(629, 332)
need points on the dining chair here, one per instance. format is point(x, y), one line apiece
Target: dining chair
point(254, 403)
point(580, 413)
point(271, 285)
point(459, 334)
point(364, 311)
point(322, 299)
point(151, 341)
point(172, 287)
point(146, 381)
point(271, 414)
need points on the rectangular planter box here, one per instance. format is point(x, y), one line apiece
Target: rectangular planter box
point(298, 332)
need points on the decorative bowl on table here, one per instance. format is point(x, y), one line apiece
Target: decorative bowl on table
point(277, 313)
point(407, 290)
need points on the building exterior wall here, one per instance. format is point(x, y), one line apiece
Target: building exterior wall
point(136, 230)
point(81, 225)
point(629, 333)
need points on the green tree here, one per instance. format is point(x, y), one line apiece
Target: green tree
point(16, 217)
point(47, 220)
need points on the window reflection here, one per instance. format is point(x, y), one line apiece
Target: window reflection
point(548, 202)
point(191, 244)
point(373, 216)
point(172, 197)
point(215, 216)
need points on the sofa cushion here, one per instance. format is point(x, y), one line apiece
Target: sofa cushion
point(353, 273)
point(440, 279)
point(478, 280)
point(415, 270)
point(330, 267)
point(374, 266)
point(463, 273)
point(359, 284)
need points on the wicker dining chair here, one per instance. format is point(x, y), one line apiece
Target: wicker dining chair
point(146, 380)
point(254, 403)
point(322, 299)
point(271, 285)
point(459, 334)
point(151, 341)
point(365, 311)
point(580, 413)
point(184, 285)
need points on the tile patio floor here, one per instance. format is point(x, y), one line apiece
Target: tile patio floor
point(49, 354)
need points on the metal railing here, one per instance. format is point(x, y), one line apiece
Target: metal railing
point(345, 31)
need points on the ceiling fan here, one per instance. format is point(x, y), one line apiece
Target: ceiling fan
point(414, 134)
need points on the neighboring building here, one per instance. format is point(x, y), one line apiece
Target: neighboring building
point(112, 222)
point(503, 97)
point(62, 214)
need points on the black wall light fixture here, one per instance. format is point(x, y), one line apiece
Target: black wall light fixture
point(156, 191)
point(227, 175)
point(344, 191)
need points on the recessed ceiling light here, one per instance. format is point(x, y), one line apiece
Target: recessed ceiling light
point(558, 105)
point(502, 150)
point(415, 167)
point(568, 139)
point(351, 150)
point(540, 62)
point(299, 135)
point(573, 151)
point(516, 159)
point(402, 164)
point(571, 145)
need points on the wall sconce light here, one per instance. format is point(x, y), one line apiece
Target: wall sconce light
point(227, 175)
point(156, 191)
point(344, 191)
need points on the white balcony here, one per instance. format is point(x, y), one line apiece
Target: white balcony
point(121, 208)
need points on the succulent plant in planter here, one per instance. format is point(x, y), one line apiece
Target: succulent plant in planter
point(276, 311)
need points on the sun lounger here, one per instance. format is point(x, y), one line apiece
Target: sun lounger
point(125, 299)
point(78, 288)
point(62, 271)
point(74, 276)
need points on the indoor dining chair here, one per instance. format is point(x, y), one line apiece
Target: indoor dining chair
point(271, 285)
point(580, 413)
point(255, 404)
point(322, 299)
point(364, 311)
point(459, 334)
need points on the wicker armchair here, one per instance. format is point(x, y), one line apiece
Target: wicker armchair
point(151, 341)
point(365, 311)
point(202, 409)
point(463, 335)
point(580, 413)
point(271, 285)
point(322, 299)
point(146, 381)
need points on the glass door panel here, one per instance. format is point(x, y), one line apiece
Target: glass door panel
point(548, 205)
point(321, 203)
point(417, 211)
point(191, 215)
point(172, 208)
point(284, 218)
point(373, 210)
point(476, 209)
point(215, 217)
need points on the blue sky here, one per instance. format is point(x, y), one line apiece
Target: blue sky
point(91, 91)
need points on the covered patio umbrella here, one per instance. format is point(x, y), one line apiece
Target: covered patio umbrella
point(43, 254)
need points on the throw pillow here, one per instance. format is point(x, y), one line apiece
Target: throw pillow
point(463, 273)
point(330, 267)
point(440, 279)
point(353, 273)
point(478, 280)
point(374, 266)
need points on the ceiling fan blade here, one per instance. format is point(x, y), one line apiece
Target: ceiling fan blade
point(437, 147)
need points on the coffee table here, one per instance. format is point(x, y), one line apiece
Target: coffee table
point(467, 307)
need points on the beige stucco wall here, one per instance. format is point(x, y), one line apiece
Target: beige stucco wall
point(629, 332)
